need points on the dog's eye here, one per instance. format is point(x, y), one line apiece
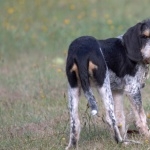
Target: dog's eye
point(145, 37)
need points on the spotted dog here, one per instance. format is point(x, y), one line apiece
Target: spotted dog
point(117, 66)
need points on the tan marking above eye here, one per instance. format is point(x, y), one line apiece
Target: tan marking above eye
point(92, 66)
point(146, 33)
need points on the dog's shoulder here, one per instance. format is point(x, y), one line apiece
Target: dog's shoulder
point(112, 46)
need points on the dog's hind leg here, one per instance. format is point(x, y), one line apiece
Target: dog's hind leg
point(106, 94)
point(73, 96)
point(73, 100)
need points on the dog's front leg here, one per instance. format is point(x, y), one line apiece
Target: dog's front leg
point(134, 95)
point(119, 111)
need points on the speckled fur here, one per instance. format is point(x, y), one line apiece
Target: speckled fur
point(131, 86)
point(118, 66)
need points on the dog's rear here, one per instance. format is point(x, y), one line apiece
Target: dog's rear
point(84, 61)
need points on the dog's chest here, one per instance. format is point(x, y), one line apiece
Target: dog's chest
point(116, 82)
point(129, 81)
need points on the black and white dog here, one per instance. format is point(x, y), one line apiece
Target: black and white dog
point(116, 66)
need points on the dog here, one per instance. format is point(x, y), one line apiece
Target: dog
point(116, 66)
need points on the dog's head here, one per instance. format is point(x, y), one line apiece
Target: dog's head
point(137, 42)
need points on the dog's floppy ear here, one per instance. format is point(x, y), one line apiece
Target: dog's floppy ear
point(132, 42)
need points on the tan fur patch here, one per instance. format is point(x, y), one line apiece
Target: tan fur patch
point(92, 66)
point(146, 33)
point(75, 69)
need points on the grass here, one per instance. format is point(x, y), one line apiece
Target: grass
point(34, 37)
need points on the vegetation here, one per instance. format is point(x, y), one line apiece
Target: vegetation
point(34, 37)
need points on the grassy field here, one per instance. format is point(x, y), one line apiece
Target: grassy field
point(34, 37)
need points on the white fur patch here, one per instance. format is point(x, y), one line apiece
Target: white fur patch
point(146, 51)
point(73, 96)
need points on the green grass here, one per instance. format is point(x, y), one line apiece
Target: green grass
point(34, 38)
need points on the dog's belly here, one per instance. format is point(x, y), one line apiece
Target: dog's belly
point(116, 83)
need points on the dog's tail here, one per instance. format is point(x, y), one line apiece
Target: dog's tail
point(84, 70)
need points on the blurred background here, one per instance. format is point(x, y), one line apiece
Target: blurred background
point(34, 38)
